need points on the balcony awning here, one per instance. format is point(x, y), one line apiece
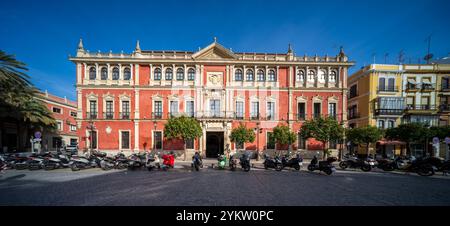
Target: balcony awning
point(412, 81)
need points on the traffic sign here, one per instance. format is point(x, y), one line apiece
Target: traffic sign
point(37, 134)
point(447, 140)
point(435, 140)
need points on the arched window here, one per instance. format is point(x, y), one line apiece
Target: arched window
point(127, 73)
point(250, 74)
point(191, 74)
point(169, 74)
point(333, 76)
point(261, 76)
point(381, 124)
point(157, 73)
point(104, 74)
point(322, 74)
point(238, 75)
point(115, 73)
point(300, 76)
point(311, 75)
point(92, 73)
point(271, 76)
point(180, 74)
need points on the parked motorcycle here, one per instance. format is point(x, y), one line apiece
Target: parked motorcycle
point(232, 163)
point(152, 162)
point(59, 160)
point(439, 164)
point(197, 162)
point(3, 164)
point(295, 162)
point(272, 163)
point(168, 161)
point(17, 161)
point(84, 162)
point(221, 161)
point(136, 161)
point(36, 161)
point(325, 166)
point(350, 161)
point(244, 160)
point(410, 164)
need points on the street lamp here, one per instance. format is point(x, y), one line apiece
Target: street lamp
point(257, 131)
point(155, 124)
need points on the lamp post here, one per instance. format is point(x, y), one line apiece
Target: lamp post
point(257, 130)
point(155, 124)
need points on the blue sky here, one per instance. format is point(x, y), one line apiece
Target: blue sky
point(43, 33)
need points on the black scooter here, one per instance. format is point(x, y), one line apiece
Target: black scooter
point(244, 160)
point(355, 162)
point(325, 166)
point(197, 162)
point(295, 162)
point(136, 161)
point(232, 163)
point(272, 163)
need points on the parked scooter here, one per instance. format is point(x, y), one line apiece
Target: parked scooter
point(325, 166)
point(221, 161)
point(168, 161)
point(36, 161)
point(295, 162)
point(351, 161)
point(84, 162)
point(439, 164)
point(272, 163)
point(136, 161)
point(197, 162)
point(232, 162)
point(59, 160)
point(152, 162)
point(17, 161)
point(244, 160)
point(3, 164)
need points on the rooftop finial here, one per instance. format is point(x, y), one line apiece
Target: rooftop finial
point(215, 39)
point(341, 51)
point(80, 45)
point(138, 47)
point(289, 48)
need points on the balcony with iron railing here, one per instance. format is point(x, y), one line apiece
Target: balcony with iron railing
point(445, 87)
point(353, 115)
point(255, 116)
point(444, 107)
point(382, 89)
point(420, 107)
point(410, 87)
point(157, 115)
point(427, 87)
point(108, 115)
point(382, 111)
point(91, 115)
point(301, 116)
point(124, 115)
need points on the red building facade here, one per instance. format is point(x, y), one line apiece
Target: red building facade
point(129, 97)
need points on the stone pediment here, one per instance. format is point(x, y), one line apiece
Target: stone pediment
point(215, 51)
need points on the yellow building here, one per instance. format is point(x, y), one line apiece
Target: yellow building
point(375, 99)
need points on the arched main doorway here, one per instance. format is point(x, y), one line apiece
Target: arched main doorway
point(214, 144)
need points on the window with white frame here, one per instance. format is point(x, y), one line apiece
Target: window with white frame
point(332, 110)
point(333, 76)
point(238, 75)
point(311, 75)
point(254, 110)
point(391, 124)
point(173, 108)
point(92, 73)
point(261, 76)
point(180, 74)
point(380, 124)
point(301, 142)
point(270, 110)
point(115, 73)
point(125, 109)
point(250, 75)
point(169, 74)
point(239, 110)
point(59, 125)
point(190, 108)
point(300, 76)
point(109, 109)
point(191, 74)
point(157, 140)
point(104, 73)
point(56, 110)
point(127, 73)
point(157, 74)
point(73, 114)
point(73, 128)
point(271, 76)
point(157, 109)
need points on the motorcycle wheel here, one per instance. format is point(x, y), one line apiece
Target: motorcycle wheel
point(366, 168)
point(105, 167)
point(343, 165)
point(278, 167)
point(425, 171)
point(74, 167)
point(327, 171)
point(265, 166)
point(297, 167)
point(247, 168)
point(49, 167)
point(150, 168)
point(311, 168)
point(388, 168)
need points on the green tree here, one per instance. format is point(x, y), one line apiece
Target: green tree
point(18, 101)
point(283, 135)
point(242, 135)
point(408, 133)
point(183, 128)
point(364, 135)
point(323, 130)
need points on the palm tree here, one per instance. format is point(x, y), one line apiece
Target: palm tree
point(18, 101)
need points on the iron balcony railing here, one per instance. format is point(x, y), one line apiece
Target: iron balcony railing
point(426, 86)
point(255, 116)
point(108, 115)
point(301, 116)
point(411, 86)
point(124, 115)
point(157, 115)
point(387, 89)
point(91, 115)
point(445, 87)
point(420, 107)
point(389, 111)
point(444, 107)
point(353, 115)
